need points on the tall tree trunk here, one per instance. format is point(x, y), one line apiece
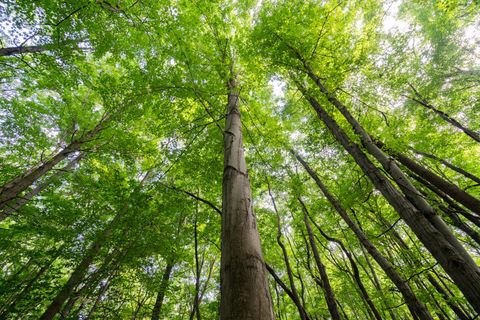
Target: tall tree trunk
point(20, 202)
point(287, 290)
point(327, 288)
point(244, 288)
point(198, 271)
point(353, 264)
point(413, 197)
point(19, 184)
point(451, 203)
point(430, 231)
point(460, 314)
point(416, 307)
point(293, 288)
point(448, 188)
point(449, 165)
point(78, 274)
point(163, 289)
point(27, 288)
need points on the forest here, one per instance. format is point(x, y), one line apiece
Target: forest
point(240, 160)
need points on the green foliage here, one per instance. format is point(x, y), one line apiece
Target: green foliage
point(155, 74)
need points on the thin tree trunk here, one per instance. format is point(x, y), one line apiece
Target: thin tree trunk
point(460, 314)
point(168, 269)
point(430, 231)
point(457, 222)
point(416, 307)
point(445, 186)
point(413, 198)
point(421, 100)
point(353, 264)
point(20, 202)
point(26, 289)
point(67, 308)
point(244, 288)
point(198, 270)
point(285, 288)
point(103, 289)
point(19, 184)
point(327, 288)
point(161, 292)
point(21, 49)
point(449, 165)
point(293, 288)
point(77, 276)
point(451, 211)
point(451, 203)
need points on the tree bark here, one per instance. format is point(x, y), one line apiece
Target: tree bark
point(244, 288)
point(78, 274)
point(327, 288)
point(449, 165)
point(295, 296)
point(21, 49)
point(416, 307)
point(19, 184)
point(451, 203)
point(163, 289)
point(421, 100)
point(20, 202)
point(430, 231)
point(353, 264)
point(448, 188)
point(460, 314)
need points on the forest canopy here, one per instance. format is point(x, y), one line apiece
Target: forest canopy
point(273, 159)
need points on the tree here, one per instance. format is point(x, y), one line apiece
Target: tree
point(146, 167)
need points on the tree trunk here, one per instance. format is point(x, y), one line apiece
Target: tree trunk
point(20, 202)
point(451, 204)
point(21, 49)
point(287, 290)
point(451, 256)
point(353, 264)
point(448, 188)
point(460, 314)
point(163, 289)
point(293, 288)
point(421, 100)
point(78, 274)
point(449, 165)
point(198, 271)
point(413, 197)
point(103, 289)
point(327, 288)
point(244, 288)
point(416, 307)
point(19, 184)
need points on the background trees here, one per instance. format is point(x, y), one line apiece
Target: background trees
point(112, 126)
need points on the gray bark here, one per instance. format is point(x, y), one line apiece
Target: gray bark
point(428, 227)
point(417, 308)
point(244, 287)
point(327, 288)
point(20, 183)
